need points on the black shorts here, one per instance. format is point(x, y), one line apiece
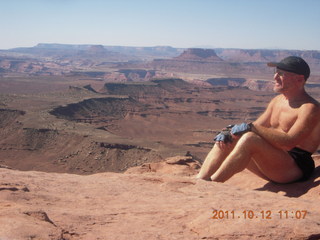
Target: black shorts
point(304, 161)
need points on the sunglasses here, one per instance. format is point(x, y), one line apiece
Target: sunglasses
point(283, 73)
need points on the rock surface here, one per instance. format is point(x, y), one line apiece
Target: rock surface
point(164, 202)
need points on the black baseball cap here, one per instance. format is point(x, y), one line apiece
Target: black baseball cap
point(293, 64)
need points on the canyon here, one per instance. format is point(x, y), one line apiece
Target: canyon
point(133, 125)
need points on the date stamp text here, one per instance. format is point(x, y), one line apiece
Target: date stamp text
point(264, 214)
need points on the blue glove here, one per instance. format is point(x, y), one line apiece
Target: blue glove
point(224, 136)
point(240, 129)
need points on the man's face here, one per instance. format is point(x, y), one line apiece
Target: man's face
point(284, 80)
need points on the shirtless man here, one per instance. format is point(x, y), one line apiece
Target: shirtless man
point(279, 144)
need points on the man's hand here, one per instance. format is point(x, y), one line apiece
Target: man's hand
point(240, 129)
point(224, 136)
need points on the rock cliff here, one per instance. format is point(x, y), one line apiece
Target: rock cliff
point(159, 201)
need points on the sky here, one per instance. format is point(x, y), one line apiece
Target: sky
point(249, 24)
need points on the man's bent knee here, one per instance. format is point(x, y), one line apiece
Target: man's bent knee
point(250, 141)
point(249, 137)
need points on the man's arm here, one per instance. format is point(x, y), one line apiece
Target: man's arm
point(264, 118)
point(238, 130)
point(308, 117)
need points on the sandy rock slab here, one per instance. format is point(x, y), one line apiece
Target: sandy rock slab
point(153, 205)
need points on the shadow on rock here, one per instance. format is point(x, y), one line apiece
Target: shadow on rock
point(295, 189)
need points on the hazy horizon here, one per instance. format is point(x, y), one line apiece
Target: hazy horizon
point(246, 24)
point(202, 47)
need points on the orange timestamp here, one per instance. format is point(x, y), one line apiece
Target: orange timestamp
point(264, 214)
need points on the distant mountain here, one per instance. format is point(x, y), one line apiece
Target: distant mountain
point(147, 53)
point(232, 62)
point(130, 63)
point(123, 53)
point(265, 55)
point(70, 50)
point(198, 54)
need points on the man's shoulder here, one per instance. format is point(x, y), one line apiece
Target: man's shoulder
point(276, 99)
point(313, 103)
point(311, 106)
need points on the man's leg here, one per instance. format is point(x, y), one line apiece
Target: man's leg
point(276, 164)
point(252, 167)
point(214, 159)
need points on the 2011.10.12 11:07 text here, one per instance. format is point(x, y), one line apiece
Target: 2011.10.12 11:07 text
point(263, 214)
